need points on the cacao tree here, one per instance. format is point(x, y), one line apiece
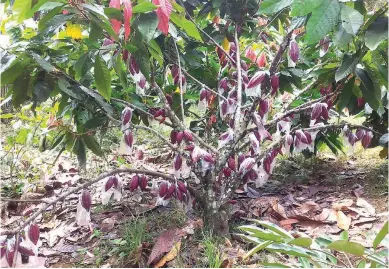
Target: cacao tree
point(238, 82)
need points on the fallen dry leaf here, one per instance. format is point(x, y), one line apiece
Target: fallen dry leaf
point(360, 211)
point(364, 204)
point(287, 223)
point(170, 256)
point(278, 208)
point(343, 221)
point(343, 204)
point(363, 220)
point(323, 215)
point(164, 244)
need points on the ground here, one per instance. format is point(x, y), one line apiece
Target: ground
point(301, 196)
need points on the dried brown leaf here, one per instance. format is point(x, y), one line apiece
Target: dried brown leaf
point(343, 221)
point(170, 256)
point(364, 204)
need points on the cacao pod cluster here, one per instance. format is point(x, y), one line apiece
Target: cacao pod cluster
point(168, 190)
point(138, 181)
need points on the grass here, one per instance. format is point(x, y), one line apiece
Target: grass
point(213, 256)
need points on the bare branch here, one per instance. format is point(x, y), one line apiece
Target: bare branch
point(83, 186)
point(239, 85)
point(307, 88)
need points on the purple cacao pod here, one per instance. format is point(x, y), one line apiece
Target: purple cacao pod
point(366, 139)
point(128, 138)
point(180, 136)
point(143, 182)
point(86, 200)
point(231, 163)
point(275, 83)
point(125, 55)
point(181, 186)
point(126, 115)
point(188, 136)
point(174, 71)
point(170, 192)
point(360, 133)
point(33, 230)
point(227, 172)
point(257, 79)
point(266, 165)
point(178, 162)
point(25, 251)
point(294, 51)
point(134, 183)
point(208, 158)
point(108, 184)
point(189, 147)
point(173, 136)
point(316, 111)
point(163, 189)
point(3, 247)
point(203, 94)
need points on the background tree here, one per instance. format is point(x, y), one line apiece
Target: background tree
point(215, 72)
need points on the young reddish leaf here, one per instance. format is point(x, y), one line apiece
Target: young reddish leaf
point(163, 14)
point(127, 18)
point(116, 25)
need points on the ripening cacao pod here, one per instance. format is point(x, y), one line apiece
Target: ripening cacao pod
point(261, 60)
point(142, 182)
point(134, 183)
point(33, 233)
point(9, 255)
point(86, 200)
point(128, 138)
point(366, 139)
point(189, 147)
point(208, 158)
point(227, 172)
point(125, 55)
point(360, 133)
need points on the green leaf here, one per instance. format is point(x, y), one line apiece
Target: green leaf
point(344, 235)
point(323, 20)
point(342, 38)
point(57, 141)
point(20, 88)
point(156, 52)
point(273, 228)
point(144, 7)
point(142, 58)
point(95, 122)
point(381, 235)
point(42, 22)
point(104, 25)
point(20, 9)
point(113, 13)
point(260, 233)
point(79, 150)
point(256, 249)
point(290, 250)
point(371, 94)
point(303, 7)
point(188, 26)
point(121, 71)
point(51, 26)
point(347, 247)
point(347, 67)
point(346, 94)
point(301, 241)
point(80, 66)
point(14, 70)
point(92, 144)
point(304, 262)
point(147, 25)
point(352, 20)
point(269, 7)
point(65, 86)
point(99, 100)
point(95, 32)
point(7, 116)
point(102, 78)
point(376, 33)
point(43, 63)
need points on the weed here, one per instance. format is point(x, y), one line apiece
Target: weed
point(212, 253)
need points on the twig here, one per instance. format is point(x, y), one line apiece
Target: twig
point(307, 88)
point(348, 259)
point(180, 82)
point(23, 200)
point(211, 39)
point(138, 109)
point(83, 186)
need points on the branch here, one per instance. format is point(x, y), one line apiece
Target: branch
point(23, 200)
point(307, 88)
point(239, 86)
point(180, 81)
point(276, 61)
point(83, 186)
